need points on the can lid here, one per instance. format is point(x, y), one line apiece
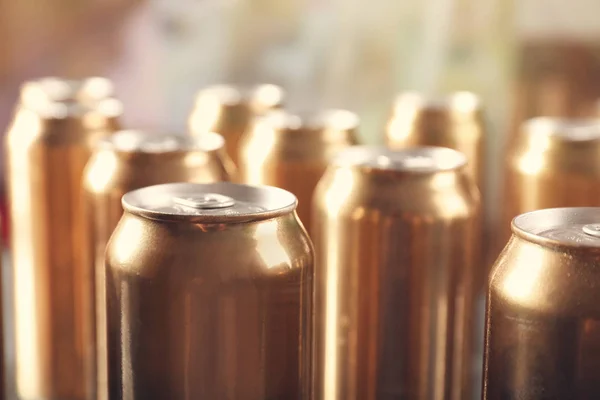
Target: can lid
point(137, 141)
point(570, 227)
point(568, 129)
point(221, 202)
point(416, 159)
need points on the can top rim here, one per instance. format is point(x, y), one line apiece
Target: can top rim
point(421, 160)
point(335, 119)
point(568, 129)
point(460, 101)
point(55, 89)
point(261, 95)
point(210, 203)
point(569, 227)
point(153, 142)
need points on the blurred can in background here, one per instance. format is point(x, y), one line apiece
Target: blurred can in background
point(48, 145)
point(396, 236)
point(229, 111)
point(292, 152)
point(53, 89)
point(130, 160)
point(543, 314)
point(455, 121)
point(555, 162)
point(209, 295)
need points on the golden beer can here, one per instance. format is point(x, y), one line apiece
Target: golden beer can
point(543, 309)
point(292, 151)
point(209, 295)
point(554, 163)
point(230, 110)
point(131, 160)
point(48, 144)
point(396, 237)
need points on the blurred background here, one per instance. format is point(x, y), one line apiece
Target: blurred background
point(526, 58)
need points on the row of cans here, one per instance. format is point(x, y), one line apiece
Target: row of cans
point(212, 289)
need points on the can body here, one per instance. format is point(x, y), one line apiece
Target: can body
point(229, 111)
point(210, 304)
point(543, 319)
point(292, 153)
point(396, 237)
point(47, 150)
point(129, 160)
point(553, 163)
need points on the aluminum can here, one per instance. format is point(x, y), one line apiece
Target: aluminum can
point(455, 121)
point(543, 313)
point(209, 295)
point(291, 151)
point(130, 160)
point(396, 238)
point(230, 110)
point(47, 147)
point(554, 163)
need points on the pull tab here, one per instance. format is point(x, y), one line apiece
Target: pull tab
point(592, 229)
point(205, 201)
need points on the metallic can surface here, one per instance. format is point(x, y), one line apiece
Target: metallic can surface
point(48, 146)
point(229, 111)
point(543, 313)
point(455, 122)
point(395, 236)
point(292, 152)
point(554, 163)
point(209, 295)
point(130, 160)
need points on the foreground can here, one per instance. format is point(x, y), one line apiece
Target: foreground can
point(47, 147)
point(553, 163)
point(543, 310)
point(229, 111)
point(396, 237)
point(455, 122)
point(292, 152)
point(209, 295)
point(130, 160)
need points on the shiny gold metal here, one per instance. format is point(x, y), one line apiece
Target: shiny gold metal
point(543, 314)
point(554, 163)
point(209, 295)
point(229, 111)
point(292, 152)
point(455, 122)
point(395, 235)
point(131, 160)
point(48, 145)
